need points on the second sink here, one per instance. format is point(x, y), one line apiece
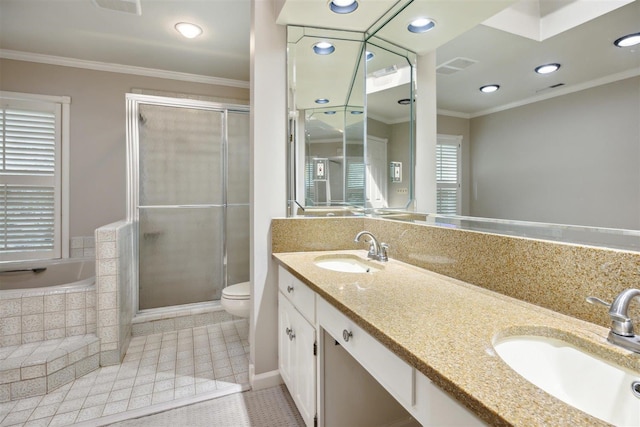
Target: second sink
point(586, 382)
point(346, 263)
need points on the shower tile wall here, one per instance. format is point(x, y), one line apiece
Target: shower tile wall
point(114, 290)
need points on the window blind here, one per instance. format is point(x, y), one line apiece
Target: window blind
point(29, 183)
point(355, 182)
point(447, 178)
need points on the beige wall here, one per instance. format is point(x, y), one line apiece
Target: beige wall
point(572, 159)
point(98, 146)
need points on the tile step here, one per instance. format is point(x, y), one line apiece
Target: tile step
point(38, 368)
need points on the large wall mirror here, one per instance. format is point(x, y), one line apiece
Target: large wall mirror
point(351, 122)
point(558, 151)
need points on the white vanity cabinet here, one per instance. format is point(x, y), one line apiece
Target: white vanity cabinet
point(297, 342)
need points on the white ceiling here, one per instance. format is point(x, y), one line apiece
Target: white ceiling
point(79, 29)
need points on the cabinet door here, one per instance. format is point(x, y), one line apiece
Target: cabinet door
point(286, 354)
point(305, 369)
point(296, 359)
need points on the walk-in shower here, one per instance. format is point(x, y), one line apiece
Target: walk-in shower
point(188, 198)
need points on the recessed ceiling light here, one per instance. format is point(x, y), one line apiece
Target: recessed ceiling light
point(421, 25)
point(323, 48)
point(343, 6)
point(322, 101)
point(356, 112)
point(489, 88)
point(369, 55)
point(330, 112)
point(547, 68)
point(628, 40)
point(188, 30)
point(405, 101)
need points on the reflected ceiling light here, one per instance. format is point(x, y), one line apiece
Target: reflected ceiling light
point(421, 25)
point(547, 68)
point(356, 112)
point(369, 55)
point(404, 101)
point(323, 48)
point(188, 30)
point(628, 40)
point(330, 112)
point(343, 6)
point(322, 101)
point(489, 88)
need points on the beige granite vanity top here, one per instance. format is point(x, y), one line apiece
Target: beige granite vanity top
point(445, 328)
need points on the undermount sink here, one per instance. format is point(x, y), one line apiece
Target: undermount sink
point(346, 263)
point(577, 378)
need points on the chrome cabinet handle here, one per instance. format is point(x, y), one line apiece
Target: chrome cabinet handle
point(346, 335)
point(290, 333)
point(289, 288)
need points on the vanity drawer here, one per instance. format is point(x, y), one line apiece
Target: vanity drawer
point(395, 375)
point(300, 295)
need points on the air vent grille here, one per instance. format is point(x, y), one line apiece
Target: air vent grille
point(454, 65)
point(125, 6)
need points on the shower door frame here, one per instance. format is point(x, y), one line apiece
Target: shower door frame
point(133, 101)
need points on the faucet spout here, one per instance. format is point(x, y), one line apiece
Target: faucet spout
point(377, 250)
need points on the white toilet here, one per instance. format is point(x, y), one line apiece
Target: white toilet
point(235, 299)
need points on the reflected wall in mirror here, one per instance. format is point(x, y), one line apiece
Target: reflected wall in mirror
point(557, 148)
point(339, 90)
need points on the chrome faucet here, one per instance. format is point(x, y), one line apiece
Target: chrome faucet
point(377, 251)
point(621, 332)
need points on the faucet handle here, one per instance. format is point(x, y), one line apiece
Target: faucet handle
point(613, 315)
point(383, 252)
point(596, 300)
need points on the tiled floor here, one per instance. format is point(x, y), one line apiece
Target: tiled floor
point(157, 369)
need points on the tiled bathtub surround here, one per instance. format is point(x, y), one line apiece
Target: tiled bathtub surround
point(553, 275)
point(41, 367)
point(28, 316)
point(114, 290)
point(83, 246)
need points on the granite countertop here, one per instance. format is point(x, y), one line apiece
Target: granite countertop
point(445, 328)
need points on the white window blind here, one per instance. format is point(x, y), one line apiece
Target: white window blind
point(30, 179)
point(448, 175)
point(355, 182)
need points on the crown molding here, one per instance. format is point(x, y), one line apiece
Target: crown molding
point(119, 68)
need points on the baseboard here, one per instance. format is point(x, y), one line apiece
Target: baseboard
point(264, 380)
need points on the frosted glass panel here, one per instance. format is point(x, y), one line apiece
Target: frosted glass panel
point(180, 156)
point(180, 256)
point(238, 158)
point(237, 244)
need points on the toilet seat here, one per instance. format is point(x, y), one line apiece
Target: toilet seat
point(239, 291)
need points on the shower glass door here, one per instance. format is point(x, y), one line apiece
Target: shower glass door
point(181, 205)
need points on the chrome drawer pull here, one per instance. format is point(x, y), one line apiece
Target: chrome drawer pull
point(346, 335)
point(289, 288)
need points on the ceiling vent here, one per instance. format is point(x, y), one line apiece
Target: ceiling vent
point(455, 65)
point(126, 6)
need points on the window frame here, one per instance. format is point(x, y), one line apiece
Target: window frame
point(451, 140)
point(61, 176)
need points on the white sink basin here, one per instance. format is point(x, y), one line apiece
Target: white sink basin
point(346, 263)
point(577, 378)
